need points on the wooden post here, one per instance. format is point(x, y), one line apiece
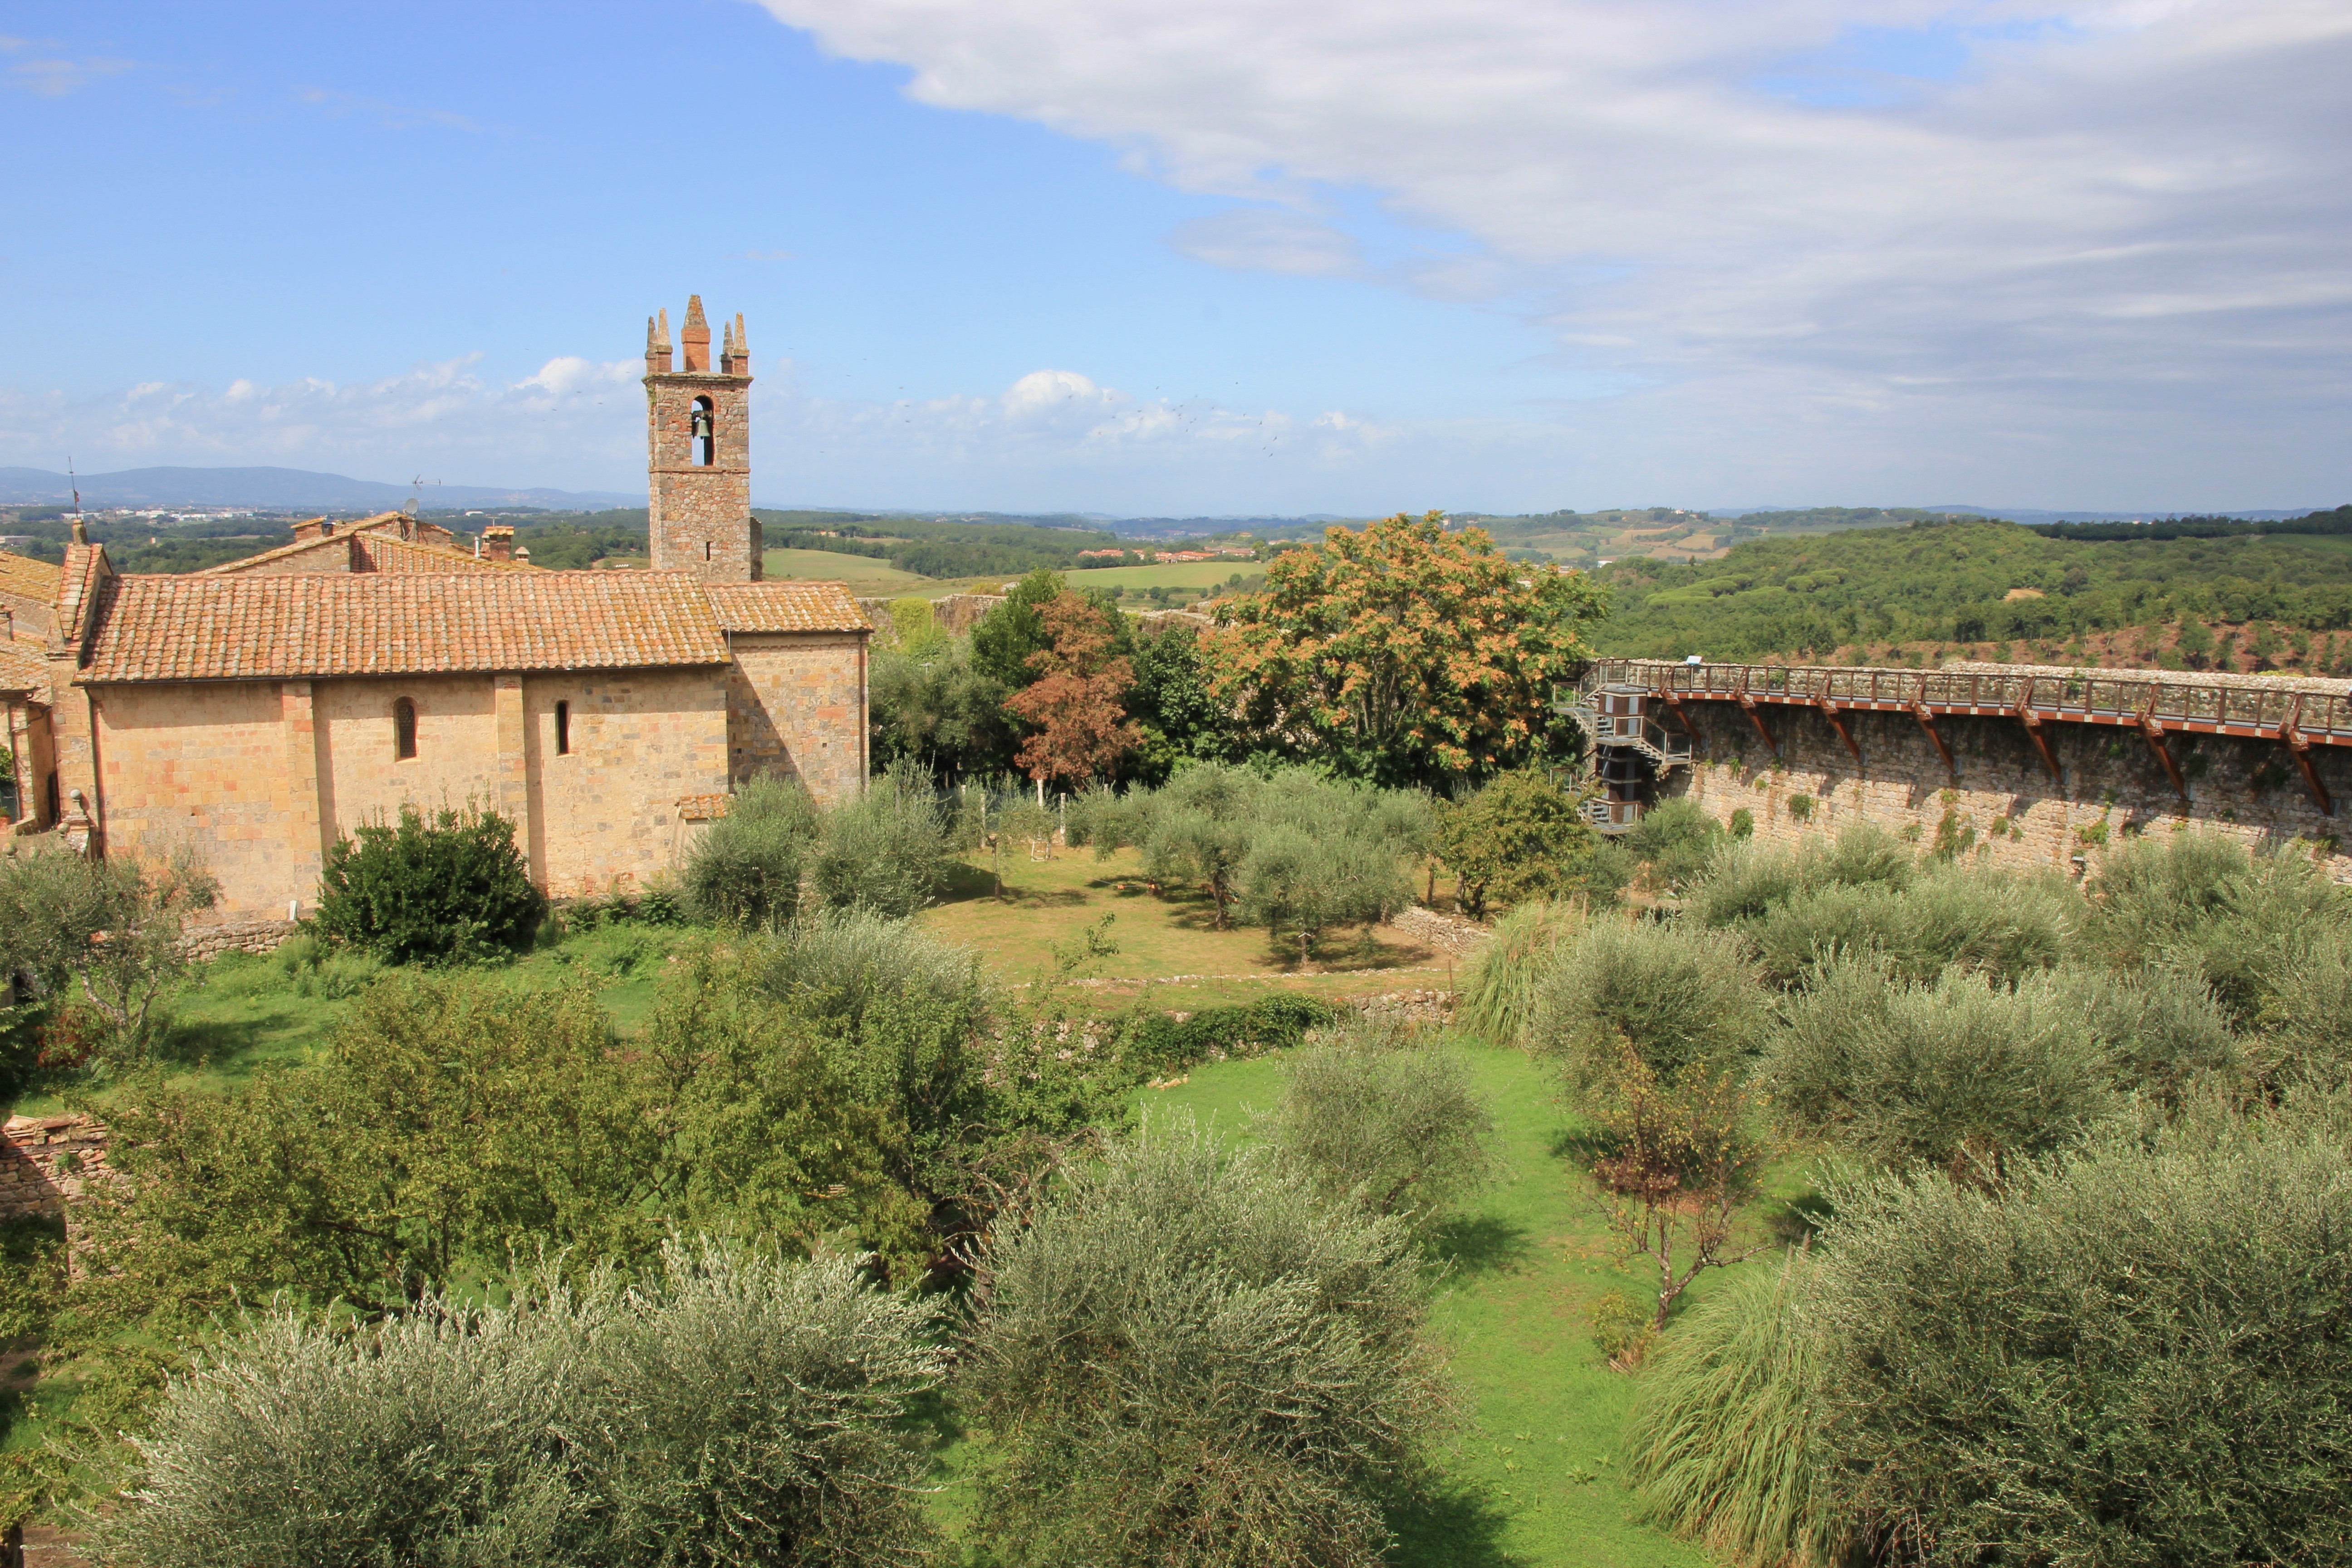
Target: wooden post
point(2300, 749)
point(2033, 722)
point(2156, 743)
point(1927, 722)
point(1747, 706)
point(1837, 723)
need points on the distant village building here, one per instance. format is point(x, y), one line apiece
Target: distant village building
point(262, 708)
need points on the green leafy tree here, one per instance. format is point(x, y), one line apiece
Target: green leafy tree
point(1405, 652)
point(1172, 702)
point(940, 712)
point(1520, 837)
point(102, 935)
point(451, 888)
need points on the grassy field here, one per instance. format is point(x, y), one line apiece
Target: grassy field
point(866, 575)
point(1167, 945)
point(1168, 575)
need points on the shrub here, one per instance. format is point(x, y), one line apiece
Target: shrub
point(309, 967)
point(1378, 1118)
point(2198, 900)
point(1984, 921)
point(451, 889)
point(887, 850)
point(1745, 882)
point(1499, 994)
point(1743, 823)
point(2131, 1357)
point(1190, 1356)
point(2159, 1028)
point(1801, 807)
point(1675, 838)
point(1723, 1445)
point(1154, 1043)
point(1960, 1075)
point(738, 1410)
point(2306, 1018)
point(1623, 1328)
point(746, 868)
point(1310, 883)
point(1676, 996)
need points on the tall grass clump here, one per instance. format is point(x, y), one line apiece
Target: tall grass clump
point(2306, 1018)
point(1676, 997)
point(1956, 1074)
point(1380, 1117)
point(1498, 997)
point(1189, 1355)
point(746, 869)
point(1676, 839)
point(1722, 1446)
point(2134, 1356)
point(739, 1409)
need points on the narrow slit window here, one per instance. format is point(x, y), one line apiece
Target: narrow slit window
point(403, 729)
point(706, 433)
point(563, 728)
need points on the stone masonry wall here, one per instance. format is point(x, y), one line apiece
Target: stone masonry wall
point(46, 1161)
point(209, 765)
point(806, 685)
point(603, 818)
point(2001, 804)
point(700, 519)
point(252, 933)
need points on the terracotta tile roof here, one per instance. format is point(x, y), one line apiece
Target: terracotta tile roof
point(22, 668)
point(787, 607)
point(380, 552)
point(33, 579)
point(261, 626)
point(390, 554)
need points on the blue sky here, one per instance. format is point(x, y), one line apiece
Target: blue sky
point(1096, 254)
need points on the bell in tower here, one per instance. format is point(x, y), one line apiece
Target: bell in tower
point(699, 453)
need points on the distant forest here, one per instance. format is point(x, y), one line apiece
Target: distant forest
point(1974, 581)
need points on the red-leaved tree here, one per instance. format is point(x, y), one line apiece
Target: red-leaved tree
point(1081, 729)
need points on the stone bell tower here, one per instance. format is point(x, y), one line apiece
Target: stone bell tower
point(699, 453)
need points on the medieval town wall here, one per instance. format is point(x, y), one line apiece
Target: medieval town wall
point(604, 818)
point(802, 685)
point(2000, 805)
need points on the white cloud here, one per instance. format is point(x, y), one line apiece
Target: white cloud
point(2100, 257)
point(1267, 240)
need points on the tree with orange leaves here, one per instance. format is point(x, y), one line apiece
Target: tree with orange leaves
point(1081, 729)
point(1405, 652)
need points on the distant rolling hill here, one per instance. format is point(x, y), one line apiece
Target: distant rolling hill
point(274, 488)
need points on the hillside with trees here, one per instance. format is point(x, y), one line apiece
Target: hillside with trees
point(2243, 596)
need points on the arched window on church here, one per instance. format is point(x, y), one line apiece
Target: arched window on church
point(706, 434)
point(403, 729)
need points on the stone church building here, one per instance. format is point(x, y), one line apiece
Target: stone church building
point(260, 709)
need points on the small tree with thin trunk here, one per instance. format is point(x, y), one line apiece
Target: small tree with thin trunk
point(1679, 1160)
point(105, 933)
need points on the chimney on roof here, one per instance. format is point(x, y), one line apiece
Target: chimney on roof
point(523, 553)
point(694, 336)
point(657, 343)
point(498, 541)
